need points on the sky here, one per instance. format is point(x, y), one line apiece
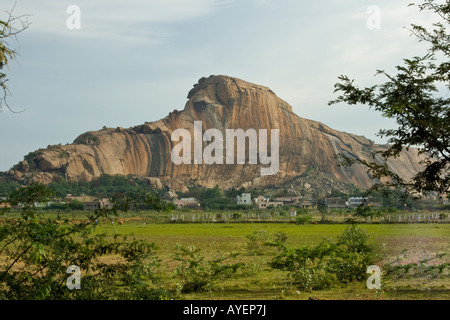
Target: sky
point(135, 61)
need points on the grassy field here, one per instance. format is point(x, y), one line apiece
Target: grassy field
point(257, 280)
point(261, 282)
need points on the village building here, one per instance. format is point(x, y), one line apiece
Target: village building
point(307, 203)
point(245, 198)
point(98, 204)
point(83, 198)
point(4, 204)
point(356, 201)
point(186, 202)
point(335, 203)
point(269, 204)
point(287, 200)
point(260, 199)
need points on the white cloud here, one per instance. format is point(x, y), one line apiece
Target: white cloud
point(133, 21)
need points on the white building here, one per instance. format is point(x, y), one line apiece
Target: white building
point(355, 202)
point(293, 213)
point(245, 198)
point(260, 199)
point(189, 199)
point(269, 204)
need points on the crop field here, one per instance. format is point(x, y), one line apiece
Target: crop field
point(257, 280)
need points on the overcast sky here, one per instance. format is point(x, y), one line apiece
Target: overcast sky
point(135, 61)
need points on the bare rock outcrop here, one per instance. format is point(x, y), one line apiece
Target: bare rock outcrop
point(219, 102)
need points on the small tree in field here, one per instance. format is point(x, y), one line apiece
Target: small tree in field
point(417, 97)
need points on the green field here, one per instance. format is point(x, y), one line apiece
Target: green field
point(263, 282)
point(256, 279)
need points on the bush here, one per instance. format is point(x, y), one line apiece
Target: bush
point(318, 267)
point(311, 278)
point(197, 274)
point(260, 241)
point(304, 219)
point(76, 205)
point(353, 255)
point(306, 266)
point(57, 206)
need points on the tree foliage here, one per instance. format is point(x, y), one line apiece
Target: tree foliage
point(36, 251)
point(417, 98)
point(317, 267)
point(198, 273)
point(9, 29)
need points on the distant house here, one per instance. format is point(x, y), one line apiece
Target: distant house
point(92, 205)
point(335, 203)
point(70, 198)
point(42, 204)
point(307, 203)
point(189, 199)
point(260, 199)
point(4, 204)
point(264, 203)
point(187, 202)
point(357, 201)
point(83, 198)
point(293, 213)
point(269, 204)
point(245, 198)
point(287, 200)
point(98, 204)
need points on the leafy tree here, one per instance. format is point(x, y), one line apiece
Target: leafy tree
point(104, 186)
point(7, 184)
point(417, 98)
point(212, 193)
point(36, 252)
point(9, 28)
point(353, 254)
point(76, 205)
point(141, 200)
point(323, 209)
point(232, 193)
point(395, 198)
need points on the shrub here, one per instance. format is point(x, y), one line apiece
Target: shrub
point(306, 266)
point(304, 219)
point(353, 255)
point(197, 274)
point(76, 205)
point(317, 267)
point(311, 278)
point(260, 241)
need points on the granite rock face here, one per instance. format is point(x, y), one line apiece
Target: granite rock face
point(219, 102)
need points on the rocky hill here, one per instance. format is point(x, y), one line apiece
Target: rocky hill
point(219, 102)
